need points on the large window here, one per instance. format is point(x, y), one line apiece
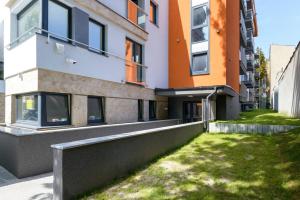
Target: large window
point(152, 110)
point(153, 12)
point(1, 70)
point(199, 24)
point(27, 108)
point(56, 110)
point(140, 110)
point(96, 36)
point(199, 63)
point(59, 20)
point(95, 110)
point(28, 18)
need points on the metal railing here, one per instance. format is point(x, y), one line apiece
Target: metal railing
point(49, 35)
point(136, 14)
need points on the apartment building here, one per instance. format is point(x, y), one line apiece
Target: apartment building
point(248, 57)
point(78, 63)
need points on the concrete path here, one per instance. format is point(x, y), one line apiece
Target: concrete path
point(33, 188)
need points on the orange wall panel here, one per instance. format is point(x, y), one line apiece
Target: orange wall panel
point(220, 30)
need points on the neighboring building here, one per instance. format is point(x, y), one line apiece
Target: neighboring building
point(248, 83)
point(2, 87)
point(279, 58)
point(288, 91)
point(90, 62)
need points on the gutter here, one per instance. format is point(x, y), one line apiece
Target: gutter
point(206, 117)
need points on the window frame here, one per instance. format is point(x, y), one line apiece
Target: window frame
point(69, 9)
point(103, 39)
point(26, 8)
point(155, 12)
point(141, 110)
point(102, 112)
point(207, 63)
point(44, 109)
point(199, 26)
point(28, 122)
point(155, 110)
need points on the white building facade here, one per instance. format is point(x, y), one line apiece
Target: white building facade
point(71, 62)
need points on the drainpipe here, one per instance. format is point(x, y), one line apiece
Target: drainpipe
point(207, 109)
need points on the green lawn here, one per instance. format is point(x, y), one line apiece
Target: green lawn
point(218, 166)
point(264, 117)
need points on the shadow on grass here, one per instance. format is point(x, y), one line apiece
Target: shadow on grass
point(219, 166)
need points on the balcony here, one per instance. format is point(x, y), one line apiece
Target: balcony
point(250, 41)
point(136, 14)
point(249, 20)
point(243, 93)
point(36, 50)
point(248, 80)
point(243, 31)
point(243, 61)
point(243, 7)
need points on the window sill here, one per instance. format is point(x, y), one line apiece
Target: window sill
point(140, 84)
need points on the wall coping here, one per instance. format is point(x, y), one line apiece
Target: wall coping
point(98, 140)
point(19, 132)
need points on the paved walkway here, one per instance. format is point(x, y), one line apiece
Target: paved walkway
point(33, 188)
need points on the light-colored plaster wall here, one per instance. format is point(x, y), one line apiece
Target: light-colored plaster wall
point(289, 88)
point(279, 58)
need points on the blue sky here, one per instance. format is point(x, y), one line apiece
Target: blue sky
point(279, 23)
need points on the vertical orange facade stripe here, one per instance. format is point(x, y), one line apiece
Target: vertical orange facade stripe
point(223, 30)
point(131, 67)
point(132, 12)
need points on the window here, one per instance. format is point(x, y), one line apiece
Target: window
point(95, 110)
point(59, 20)
point(134, 52)
point(1, 70)
point(27, 108)
point(199, 24)
point(152, 110)
point(28, 18)
point(153, 13)
point(96, 36)
point(140, 110)
point(56, 110)
point(199, 63)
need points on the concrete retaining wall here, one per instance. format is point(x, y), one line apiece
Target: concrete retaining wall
point(248, 128)
point(27, 153)
point(82, 166)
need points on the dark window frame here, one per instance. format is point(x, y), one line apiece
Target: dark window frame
point(44, 111)
point(140, 110)
point(103, 39)
point(155, 7)
point(102, 112)
point(28, 122)
point(207, 63)
point(26, 8)
point(46, 15)
point(1, 70)
point(199, 26)
point(154, 104)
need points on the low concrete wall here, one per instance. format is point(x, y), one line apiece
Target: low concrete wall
point(27, 153)
point(82, 166)
point(248, 128)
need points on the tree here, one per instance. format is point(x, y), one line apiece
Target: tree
point(262, 62)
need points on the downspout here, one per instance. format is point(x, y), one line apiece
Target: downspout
point(207, 109)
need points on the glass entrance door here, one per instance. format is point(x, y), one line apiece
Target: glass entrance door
point(192, 112)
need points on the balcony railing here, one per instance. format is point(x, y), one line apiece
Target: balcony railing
point(136, 14)
point(243, 59)
point(249, 19)
point(243, 30)
point(135, 72)
point(243, 6)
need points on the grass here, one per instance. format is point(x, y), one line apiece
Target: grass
point(218, 166)
point(265, 116)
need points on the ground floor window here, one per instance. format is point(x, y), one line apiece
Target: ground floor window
point(95, 110)
point(56, 109)
point(152, 110)
point(27, 108)
point(44, 109)
point(140, 110)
